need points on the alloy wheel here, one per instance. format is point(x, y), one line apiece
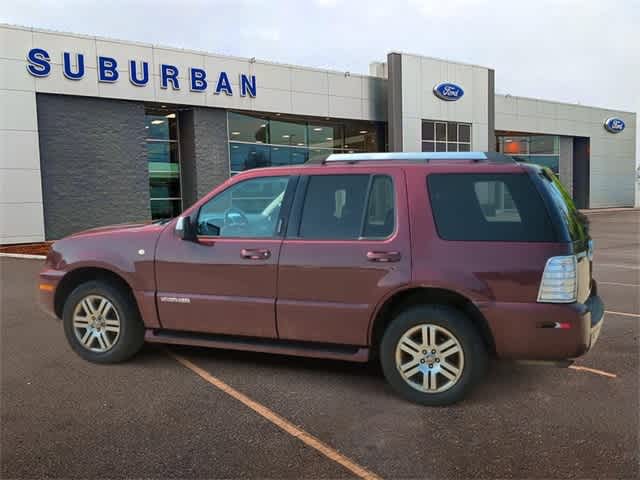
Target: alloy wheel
point(96, 323)
point(429, 358)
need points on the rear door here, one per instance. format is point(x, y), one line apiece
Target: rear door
point(347, 246)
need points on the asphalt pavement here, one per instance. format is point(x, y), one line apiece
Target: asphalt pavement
point(153, 417)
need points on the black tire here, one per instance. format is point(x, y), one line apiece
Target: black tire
point(131, 336)
point(461, 327)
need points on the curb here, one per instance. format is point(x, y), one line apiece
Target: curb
point(23, 255)
point(609, 210)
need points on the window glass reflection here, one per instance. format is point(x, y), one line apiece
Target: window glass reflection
point(288, 133)
point(161, 130)
point(293, 141)
point(160, 126)
point(539, 149)
point(245, 156)
point(162, 152)
point(464, 133)
point(245, 128)
point(165, 208)
point(326, 136)
point(449, 136)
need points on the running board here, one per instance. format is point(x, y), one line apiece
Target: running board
point(265, 345)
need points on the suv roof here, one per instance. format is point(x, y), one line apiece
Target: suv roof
point(393, 157)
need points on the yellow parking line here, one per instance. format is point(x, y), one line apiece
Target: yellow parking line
point(623, 313)
point(279, 421)
point(593, 370)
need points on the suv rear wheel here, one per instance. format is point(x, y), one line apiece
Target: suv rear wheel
point(432, 355)
point(102, 323)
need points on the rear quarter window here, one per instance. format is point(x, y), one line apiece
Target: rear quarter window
point(488, 207)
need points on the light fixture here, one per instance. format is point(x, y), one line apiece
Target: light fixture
point(234, 146)
point(301, 144)
point(156, 122)
point(235, 133)
point(258, 141)
point(163, 106)
point(286, 136)
point(346, 146)
point(317, 129)
point(171, 115)
point(263, 125)
point(364, 131)
point(276, 148)
point(329, 138)
point(146, 126)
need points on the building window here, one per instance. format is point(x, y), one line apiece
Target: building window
point(445, 136)
point(539, 149)
point(163, 157)
point(274, 140)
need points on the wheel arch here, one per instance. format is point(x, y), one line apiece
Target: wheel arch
point(81, 275)
point(421, 295)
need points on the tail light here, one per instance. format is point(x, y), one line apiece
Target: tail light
point(560, 280)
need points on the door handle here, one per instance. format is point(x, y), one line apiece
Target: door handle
point(255, 253)
point(383, 257)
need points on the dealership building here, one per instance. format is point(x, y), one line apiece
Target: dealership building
point(96, 131)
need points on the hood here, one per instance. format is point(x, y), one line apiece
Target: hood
point(122, 227)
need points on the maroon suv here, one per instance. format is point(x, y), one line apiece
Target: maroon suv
point(430, 262)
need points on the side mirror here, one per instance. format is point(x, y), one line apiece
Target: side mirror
point(186, 229)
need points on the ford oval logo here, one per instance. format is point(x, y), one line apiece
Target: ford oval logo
point(614, 124)
point(448, 91)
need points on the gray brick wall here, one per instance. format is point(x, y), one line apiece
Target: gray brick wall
point(93, 161)
point(204, 151)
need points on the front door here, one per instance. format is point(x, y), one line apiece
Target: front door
point(347, 247)
point(225, 282)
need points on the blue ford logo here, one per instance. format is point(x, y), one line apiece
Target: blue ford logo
point(614, 125)
point(448, 91)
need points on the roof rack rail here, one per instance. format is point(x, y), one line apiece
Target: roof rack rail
point(414, 157)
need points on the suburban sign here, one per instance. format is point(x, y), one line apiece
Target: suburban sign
point(448, 91)
point(109, 71)
point(614, 124)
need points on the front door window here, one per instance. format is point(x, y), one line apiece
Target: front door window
point(248, 209)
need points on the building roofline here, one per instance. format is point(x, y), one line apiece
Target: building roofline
point(184, 50)
point(573, 104)
point(439, 59)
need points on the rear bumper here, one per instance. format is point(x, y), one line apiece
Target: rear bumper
point(544, 331)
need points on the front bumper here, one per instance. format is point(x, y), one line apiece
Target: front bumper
point(545, 331)
point(48, 281)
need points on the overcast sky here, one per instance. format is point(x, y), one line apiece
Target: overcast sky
point(582, 51)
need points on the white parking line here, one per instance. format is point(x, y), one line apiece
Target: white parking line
point(617, 265)
point(593, 370)
point(278, 421)
point(620, 284)
point(625, 314)
point(23, 255)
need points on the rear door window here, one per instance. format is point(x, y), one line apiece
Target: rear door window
point(488, 207)
point(575, 223)
point(348, 207)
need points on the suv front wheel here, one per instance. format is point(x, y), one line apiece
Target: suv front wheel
point(432, 355)
point(102, 323)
